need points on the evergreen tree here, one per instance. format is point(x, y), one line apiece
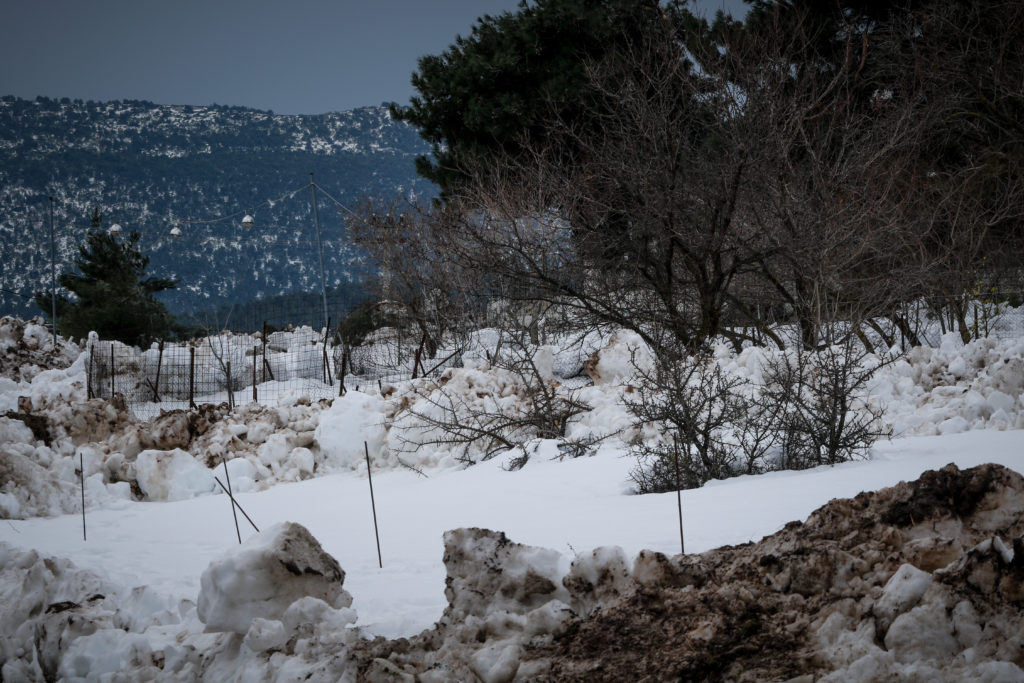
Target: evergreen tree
point(497, 91)
point(112, 295)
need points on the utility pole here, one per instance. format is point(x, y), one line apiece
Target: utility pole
point(53, 278)
point(320, 249)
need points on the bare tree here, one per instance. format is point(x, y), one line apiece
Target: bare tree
point(697, 406)
point(420, 285)
point(826, 417)
point(518, 400)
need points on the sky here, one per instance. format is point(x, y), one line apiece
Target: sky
point(294, 57)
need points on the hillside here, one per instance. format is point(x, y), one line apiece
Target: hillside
point(150, 167)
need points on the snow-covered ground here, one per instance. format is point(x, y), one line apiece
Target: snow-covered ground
point(569, 506)
point(305, 463)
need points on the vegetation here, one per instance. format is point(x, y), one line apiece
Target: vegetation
point(495, 92)
point(812, 178)
point(112, 295)
point(153, 167)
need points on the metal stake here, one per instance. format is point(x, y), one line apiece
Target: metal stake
point(231, 497)
point(373, 505)
point(679, 496)
point(81, 476)
point(237, 504)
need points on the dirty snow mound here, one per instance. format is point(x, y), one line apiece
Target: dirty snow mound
point(922, 581)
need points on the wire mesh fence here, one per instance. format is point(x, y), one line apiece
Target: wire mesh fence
point(223, 368)
point(267, 367)
point(283, 361)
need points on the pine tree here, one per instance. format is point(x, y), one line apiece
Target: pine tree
point(500, 88)
point(113, 297)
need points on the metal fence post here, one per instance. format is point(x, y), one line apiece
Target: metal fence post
point(191, 377)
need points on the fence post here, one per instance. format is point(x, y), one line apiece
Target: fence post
point(81, 476)
point(112, 371)
point(231, 395)
point(344, 363)
point(373, 505)
point(89, 393)
point(327, 363)
point(264, 336)
point(419, 354)
point(191, 377)
point(159, 362)
point(255, 355)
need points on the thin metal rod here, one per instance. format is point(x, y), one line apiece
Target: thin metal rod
point(53, 277)
point(81, 476)
point(159, 362)
point(264, 340)
point(373, 505)
point(237, 504)
point(231, 393)
point(319, 248)
point(191, 377)
point(679, 496)
point(231, 496)
point(328, 375)
point(255, 355)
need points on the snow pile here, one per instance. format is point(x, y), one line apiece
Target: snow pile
point(620, 360)
point(921, 568)
point(262, 578)
point(167, 458)
point(27, 347)
point(60, 621)
point(272, 607)
point(502, 596)
point(955, 387)
point(172, 475)
point(486, 401)
point(28, 486)
point(352, 420)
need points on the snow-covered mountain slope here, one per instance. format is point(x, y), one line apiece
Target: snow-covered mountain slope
point(150, 167)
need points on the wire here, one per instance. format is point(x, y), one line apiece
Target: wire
point(11, 291)
point(269, 202)
point(340, 205)
point(144, 230)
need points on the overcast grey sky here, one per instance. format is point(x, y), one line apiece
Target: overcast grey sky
point(294, 57)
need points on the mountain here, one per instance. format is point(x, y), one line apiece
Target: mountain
point(151, 167)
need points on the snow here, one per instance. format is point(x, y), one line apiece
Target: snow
point(265, 576)
point(302, 467)
point(351, 420)
point(172, 475)
point(576, 504)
